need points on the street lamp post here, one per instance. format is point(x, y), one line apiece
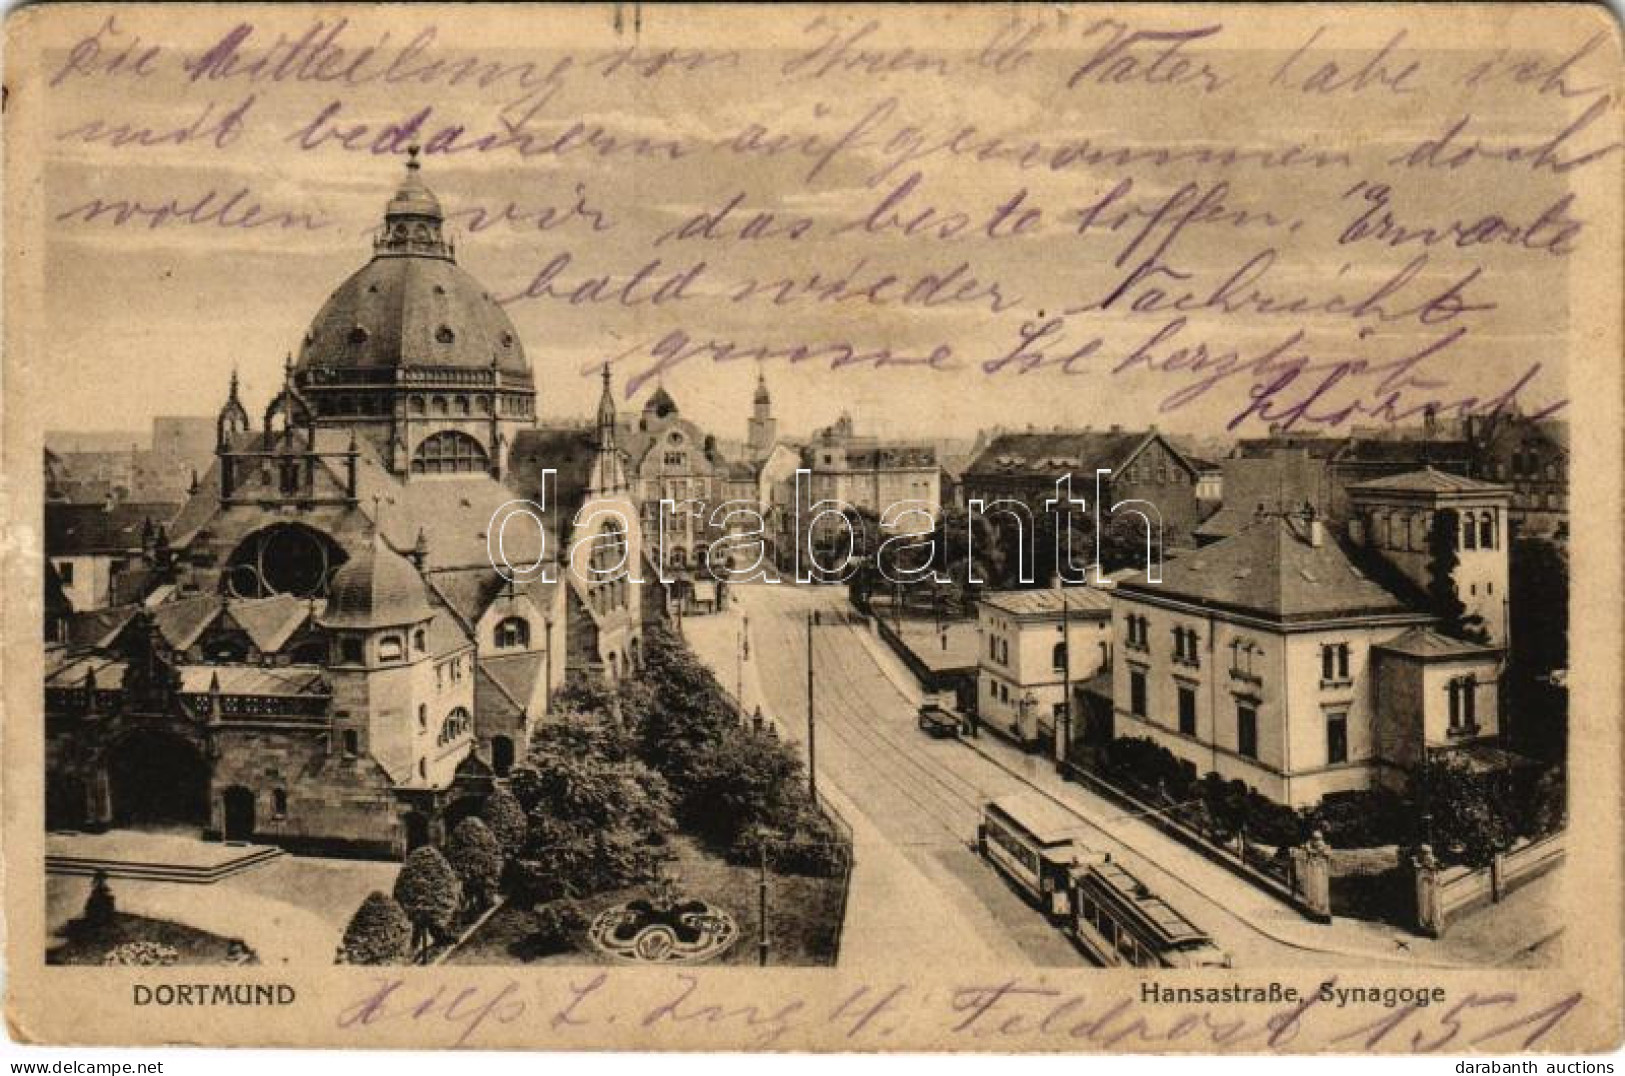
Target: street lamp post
point(812, 725)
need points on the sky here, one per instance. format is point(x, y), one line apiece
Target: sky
point(894, 156)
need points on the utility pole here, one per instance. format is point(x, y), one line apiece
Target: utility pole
point(1066, 681)
point(812, 725)
point(761, 903)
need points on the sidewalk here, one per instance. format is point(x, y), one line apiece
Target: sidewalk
point(891, 907)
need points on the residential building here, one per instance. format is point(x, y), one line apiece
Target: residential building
point(1033, 645)
point(1293, 662)
point(1532, 457)
point(1144, 465)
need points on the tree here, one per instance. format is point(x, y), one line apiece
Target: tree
point(379, 932)
point(1539, 600)
point(593, 821)
point(505, 819)
point(1468, 816)
point(428, 890)
point(477, 859)
point(1442, 594)
point(742, 779)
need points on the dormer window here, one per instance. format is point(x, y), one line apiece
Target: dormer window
point(391, 648)
point(351, 651)
point(512, 633)
point(420, 641)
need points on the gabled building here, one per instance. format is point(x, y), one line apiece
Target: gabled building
point(1144, 465)
point(1532, 457)
point(333, 649)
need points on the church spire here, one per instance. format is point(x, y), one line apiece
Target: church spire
point(606, 415)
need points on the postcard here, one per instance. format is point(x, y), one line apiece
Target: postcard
point(1006, 528)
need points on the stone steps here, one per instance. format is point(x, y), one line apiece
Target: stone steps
point(189, 874)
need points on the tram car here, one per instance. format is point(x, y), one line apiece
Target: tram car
point(1030, 841)
point(1118, 922)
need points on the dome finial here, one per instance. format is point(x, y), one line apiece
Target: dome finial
point(412, 162)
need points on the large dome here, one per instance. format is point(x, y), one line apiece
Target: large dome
point(412, 311)
point(411, 306)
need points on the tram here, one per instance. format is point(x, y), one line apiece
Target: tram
point(1118, 922)
point(1030, 841)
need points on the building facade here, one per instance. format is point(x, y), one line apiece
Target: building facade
point(1034, 645)
point(330, 654)
point(1145, 466)
point(1275, 657)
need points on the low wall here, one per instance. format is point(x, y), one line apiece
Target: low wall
point(1446, 894)
point(961, 683)
point(1191, 839)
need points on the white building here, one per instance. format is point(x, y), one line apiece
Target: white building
point(1272, 658)
point(1034, 643)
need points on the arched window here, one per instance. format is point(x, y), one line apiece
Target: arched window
point(1469, 539)
point(460, 405)
point(1486, 529)
point(417, 405)
point(437, 406)
point(455, 726)
point(512, 632)
point(449, 452)
point(1058, 657)
point(390, 648)
point(423, 717)
point(420, 640)
point(279, 802)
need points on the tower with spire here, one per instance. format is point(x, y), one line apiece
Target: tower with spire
point(608, 469)
point(763, 430)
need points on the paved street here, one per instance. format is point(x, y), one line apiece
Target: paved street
point(921, 797)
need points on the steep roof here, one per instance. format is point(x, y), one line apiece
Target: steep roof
point(513, 677)
point(269, 622)
point(1045, 453)
point(79, 529)
point(1271, 569)
point(181, 621)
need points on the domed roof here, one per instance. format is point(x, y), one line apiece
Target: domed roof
point(411, 306)
point(412, 311)
point(374, 589)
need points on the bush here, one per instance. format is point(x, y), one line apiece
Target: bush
point(474, 855)
point(429, 892)
point(379, 932)
point(1363, 819)
point(807, 844)
point(142, 954)
point(554, 926)
point(505, 818)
